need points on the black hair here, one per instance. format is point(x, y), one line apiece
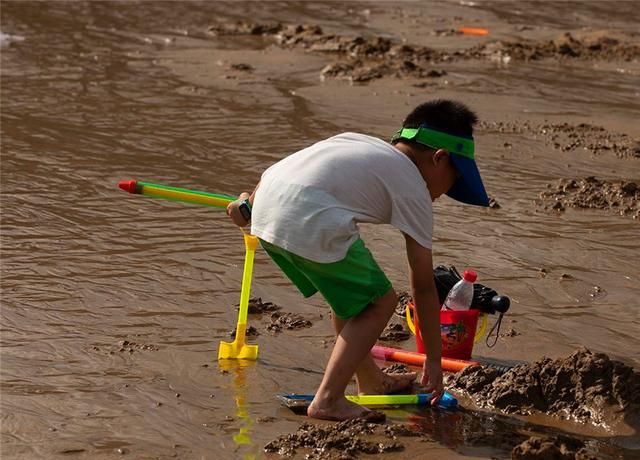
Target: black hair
point(444, 115)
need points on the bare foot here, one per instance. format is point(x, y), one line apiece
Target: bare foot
point(343, 410)
point(387, 383)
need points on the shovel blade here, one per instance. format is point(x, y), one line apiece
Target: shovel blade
point(235, 350)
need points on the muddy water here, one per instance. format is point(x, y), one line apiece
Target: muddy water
point(113, 306)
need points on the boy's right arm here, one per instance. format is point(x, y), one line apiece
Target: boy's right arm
point(427, 304)
point(233, 210)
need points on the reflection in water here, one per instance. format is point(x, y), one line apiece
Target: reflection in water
point(237, 366)
point(464, 430)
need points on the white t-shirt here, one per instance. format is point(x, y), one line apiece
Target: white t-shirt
point(310, 203)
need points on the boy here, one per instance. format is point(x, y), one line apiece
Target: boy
point(306, 208)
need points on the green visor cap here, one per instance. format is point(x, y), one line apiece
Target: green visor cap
point(468, 188)
point(437, 140)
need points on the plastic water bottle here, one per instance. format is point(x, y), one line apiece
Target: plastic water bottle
point(461, 294)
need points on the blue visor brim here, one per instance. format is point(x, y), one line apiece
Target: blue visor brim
point(469, 187)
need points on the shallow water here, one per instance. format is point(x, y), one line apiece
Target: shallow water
point(97, 92)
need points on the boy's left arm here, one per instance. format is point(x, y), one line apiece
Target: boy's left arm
point(427, 304)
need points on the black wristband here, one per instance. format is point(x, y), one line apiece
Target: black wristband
point(245, 209)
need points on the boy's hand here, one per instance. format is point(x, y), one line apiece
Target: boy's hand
point(234, 212)
point(432, 380)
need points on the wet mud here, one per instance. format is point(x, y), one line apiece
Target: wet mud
point(345, 440)
point(251, 331)
point(126, 346)
point(592, 46)
point(586, 387)
point(561, 448)
point(290, 321)
point(365, 58)
point(397, 368)
point(112, 307)
point(395, 332)
point(404, 298)
point(257, 306)
point(278, 321)
point(618, 196)
point(568, 137)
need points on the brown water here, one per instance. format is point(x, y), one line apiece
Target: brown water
point(96, 92)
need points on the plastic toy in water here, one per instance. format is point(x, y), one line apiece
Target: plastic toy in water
point(238, 349)
point(417, 359)
point(473, 31)
point(299, 402)
point(176, 193)
point(414, 358)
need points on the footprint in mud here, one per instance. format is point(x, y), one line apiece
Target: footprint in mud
point(578, 290)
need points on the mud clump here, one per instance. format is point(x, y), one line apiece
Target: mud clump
point(242, 67)
point(567, 137)
point(511, 332)
point(360, 59)
point(622, 197)
point(257, 306)
point(345, 440)
point(595, 139)
point(397, 368)
point(365, 58)
point(404, 299)
point(585, 386)
point(567, 46)
point(130, 347)
point(395, 332)
point(281, 321)
point(244, 28)
point(126, 346)
point(561, 448)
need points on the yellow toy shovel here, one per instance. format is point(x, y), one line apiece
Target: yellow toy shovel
point(238, 349)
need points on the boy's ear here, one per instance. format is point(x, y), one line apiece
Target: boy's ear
point(440, 155)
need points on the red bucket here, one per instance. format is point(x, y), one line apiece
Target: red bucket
point(457, 330)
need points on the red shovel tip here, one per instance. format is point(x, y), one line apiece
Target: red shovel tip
point(128, 185)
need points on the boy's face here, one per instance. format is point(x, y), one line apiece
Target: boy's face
point(439, 172)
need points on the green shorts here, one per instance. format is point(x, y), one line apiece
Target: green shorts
point(348, 285)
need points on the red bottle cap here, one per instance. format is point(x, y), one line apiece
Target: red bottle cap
point(128, 185)
point(470, 275)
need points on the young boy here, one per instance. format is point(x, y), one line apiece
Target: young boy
point(306, 209)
